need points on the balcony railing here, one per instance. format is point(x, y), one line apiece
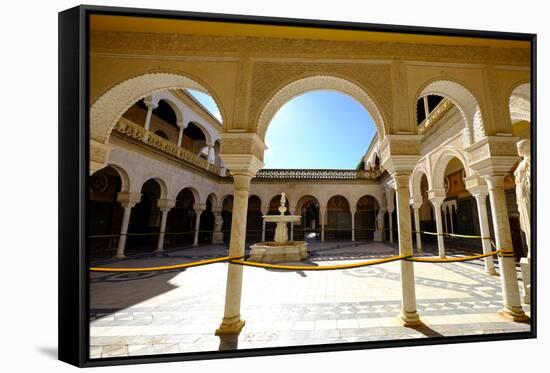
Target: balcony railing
point(139, 133)
point(435, 115)
point(318, 174)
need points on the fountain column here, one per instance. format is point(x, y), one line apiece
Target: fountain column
point(242, 153)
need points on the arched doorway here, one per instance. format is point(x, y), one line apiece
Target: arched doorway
point(310, 224)
point(254, 219)
point(105, 213)
point(145, 220)
point(338, 225)
point(227, 214)
point(180, 220)
point(365, 218)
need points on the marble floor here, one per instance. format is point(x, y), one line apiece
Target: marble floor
point(178, 311)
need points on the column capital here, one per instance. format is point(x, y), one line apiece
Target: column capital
point(416, 204)
point(199, 207)
point(128, 199)
point(182, 124)
point(242, 153)
point(475, 185)
point(495, 181)
point(493, 155)
point(150, 103)
point(353, 209)
point(216, 210)
point(437, 196)
point(400, 152)
point(165, 203)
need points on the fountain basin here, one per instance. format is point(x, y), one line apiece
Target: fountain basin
point(274, 252)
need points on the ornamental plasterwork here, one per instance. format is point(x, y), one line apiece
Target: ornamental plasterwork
point(180, 44)
point(242, 145)
point(520, 109)
point(108, 108)
point(268, 96)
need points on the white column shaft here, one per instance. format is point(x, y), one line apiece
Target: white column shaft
point(439, 228)
point(503, 237)
point(163, 218)
point(352, 226)
point(416, 211)
point(123, 232)
point(409, 315)
point(390, 221)
point(197, 226)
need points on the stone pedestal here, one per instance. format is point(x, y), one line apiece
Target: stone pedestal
point(217, 238)
point(378, 236)
point(270, 252)
point(525, 264)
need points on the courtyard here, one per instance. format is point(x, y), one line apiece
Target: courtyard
point(178, 311)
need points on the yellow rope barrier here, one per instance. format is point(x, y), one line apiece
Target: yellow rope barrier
point(320, 268)
point(455, 259)
point(163, 268)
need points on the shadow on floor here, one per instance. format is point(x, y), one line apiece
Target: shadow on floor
point(427, 331)
point(50, 351)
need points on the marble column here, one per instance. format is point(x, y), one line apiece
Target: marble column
point(390, 223)
point(437, 197)
point(352, 211)
point(322, 213)
point(481, 198)
point(503, 237)
point(232, 322)
point(198, 208)
point(409, 316)
point(217, 235)
point(165, 205)
point(450, 212)
point(182, 126)
point(150, 107)
point(416, 211)
point(379, 232)
point(211, 154)
point(128, 200)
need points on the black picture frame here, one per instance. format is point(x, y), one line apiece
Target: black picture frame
point(74, 170)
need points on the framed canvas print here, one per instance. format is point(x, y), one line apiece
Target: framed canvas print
point(236, 186)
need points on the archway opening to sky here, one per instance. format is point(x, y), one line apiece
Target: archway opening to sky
point(319, 130)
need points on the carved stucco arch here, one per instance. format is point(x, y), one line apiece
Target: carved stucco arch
point(125, 178)
point(197, 198)
point(373, 196)
point(110, 106)
point(416, 182)
point(440, 165)
point(301, 197)
point(317, 83)
point(161, 182)
point(519, 103)
point(465, 101)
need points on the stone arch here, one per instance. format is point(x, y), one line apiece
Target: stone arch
point(301, 199)
point(163, 96)
point(371, 195)
point(163, 185)
point(440, 165)
point(193, 190)
point(316, 83)
point(464, 100)
point(209, 139)
point(415, 184)
point(109, 107)
point(126, 182)
point(213, 199)
point(519, 103)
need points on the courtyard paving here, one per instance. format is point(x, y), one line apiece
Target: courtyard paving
point(178, 311)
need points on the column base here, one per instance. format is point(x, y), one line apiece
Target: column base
point(378, 236)
point(410, 319)
point(230, 326)
point(525, 264)
point(119, 256)
point(217, 238)
point(492, 272)
point(159, 251)
point(515, 314)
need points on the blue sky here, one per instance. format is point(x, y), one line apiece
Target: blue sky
point(321, 129)
point(207, 101)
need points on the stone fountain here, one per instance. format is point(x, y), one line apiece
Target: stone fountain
point(281, 249)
